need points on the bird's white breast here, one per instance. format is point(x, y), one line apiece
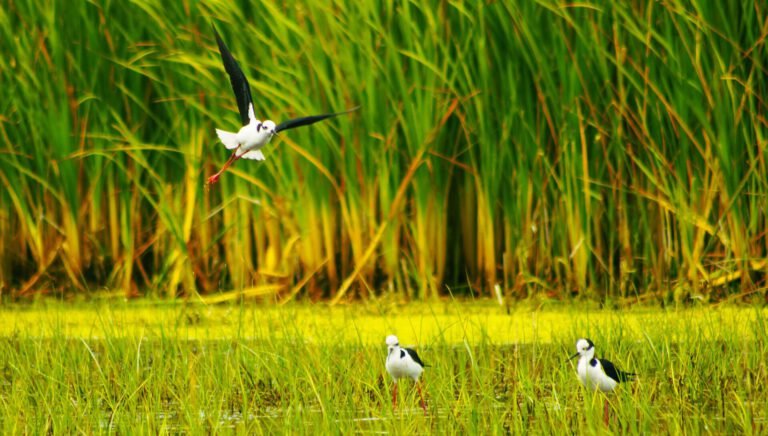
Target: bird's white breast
point(396, 367)
point(250, 138)
point(593, 377)
point(399, 367)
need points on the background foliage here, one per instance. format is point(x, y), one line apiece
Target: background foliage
point(606, 149)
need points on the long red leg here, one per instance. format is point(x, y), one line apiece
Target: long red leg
point(215, 178)
point(421, 397)
point(394, 396)
point(605, 413)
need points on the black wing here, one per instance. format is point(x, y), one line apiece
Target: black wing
point(305, 121)
point(237, 78)
point(614, 373)
point(414, 356)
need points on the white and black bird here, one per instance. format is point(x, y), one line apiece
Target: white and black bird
point(597, 373)
point(403, 363)
point(254, 134)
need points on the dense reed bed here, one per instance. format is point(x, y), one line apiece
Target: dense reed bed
point(259, 371)
point(602, 149)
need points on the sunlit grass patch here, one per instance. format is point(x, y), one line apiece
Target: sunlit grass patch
point(195, 368)
point(447, 322)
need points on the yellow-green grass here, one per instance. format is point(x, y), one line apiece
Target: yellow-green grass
point(447, 321)
point(314, 369)
point(601, 148)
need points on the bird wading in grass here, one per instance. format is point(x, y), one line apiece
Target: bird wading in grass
point(255, 134)
point(403, 363)
point(598, 374)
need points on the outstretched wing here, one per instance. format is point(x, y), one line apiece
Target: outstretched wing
point(237, 78)
point(615, 373)
point(305, 121)
point(414, 356)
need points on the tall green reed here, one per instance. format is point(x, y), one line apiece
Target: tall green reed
point(603, 148)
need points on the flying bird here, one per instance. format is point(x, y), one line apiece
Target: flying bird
point(403, 363)
point(255, 134)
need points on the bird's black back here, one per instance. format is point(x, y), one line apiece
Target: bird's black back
point(305, 121)
point(236, 78)
point(615, 373)
point(414, 356)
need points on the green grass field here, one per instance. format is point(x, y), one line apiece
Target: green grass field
point(316, 369)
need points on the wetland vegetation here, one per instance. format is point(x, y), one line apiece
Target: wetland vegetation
point(302, 369)
point(600, 149)
point(520, 174)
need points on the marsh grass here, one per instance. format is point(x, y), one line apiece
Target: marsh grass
point(699, 373)
point(607, 149)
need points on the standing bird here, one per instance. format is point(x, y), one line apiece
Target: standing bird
point(401, 363)
point(254, 134)
point(598, 374)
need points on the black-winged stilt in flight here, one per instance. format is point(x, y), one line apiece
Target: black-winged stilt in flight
point(254, 134)
point(403, 363)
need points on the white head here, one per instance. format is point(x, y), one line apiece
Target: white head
point(268, 126)
point(584, 348)
point(392, 343)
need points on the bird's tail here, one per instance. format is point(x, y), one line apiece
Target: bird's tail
point(229, 139)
